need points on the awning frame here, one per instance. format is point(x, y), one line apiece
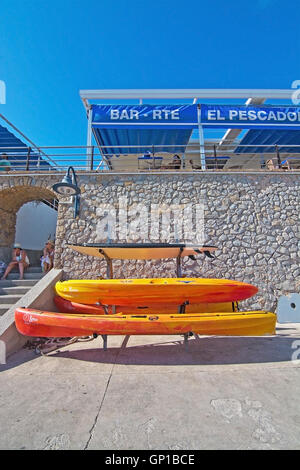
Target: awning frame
point(251, 95)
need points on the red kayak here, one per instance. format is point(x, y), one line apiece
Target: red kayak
point(67, 306)
point(39, 323)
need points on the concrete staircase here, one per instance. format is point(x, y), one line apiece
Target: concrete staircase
point(12, 289)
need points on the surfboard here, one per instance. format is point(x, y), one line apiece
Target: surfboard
point(156, 291)
point(66, 306)
point(145, 251)
point(39, 323)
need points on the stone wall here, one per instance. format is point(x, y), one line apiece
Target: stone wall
point(16, 190)
point(252, 218)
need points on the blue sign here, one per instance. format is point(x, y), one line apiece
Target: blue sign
point(250, 117)
point(145, 116)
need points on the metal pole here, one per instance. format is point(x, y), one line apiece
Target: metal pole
point(278, 157)
point(92, 159)
point(104, 337)
point(153, 156)
point(76, 198)
point(201, 140)
point(109, 274)
point(178, 263)
point(89, 138)
point(76, 205)
point(28, 158)
point(109, 269)
point(215, 155)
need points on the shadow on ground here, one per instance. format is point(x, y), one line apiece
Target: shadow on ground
point(199, 351)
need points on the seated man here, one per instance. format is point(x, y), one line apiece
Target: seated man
point(4, 163)
point(285, 165)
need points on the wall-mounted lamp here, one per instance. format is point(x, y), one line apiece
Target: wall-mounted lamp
point(68, 187)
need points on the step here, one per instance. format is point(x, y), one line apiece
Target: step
point(31, 269)
point(9, 299)
point(18, 290)
point(27, 275)
point(17, 282)
point(13, 288)
point(4, 308)
point(34, 269)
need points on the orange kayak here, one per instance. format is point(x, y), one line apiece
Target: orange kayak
point(32, 322)
point(67, 306)
point(143, 292)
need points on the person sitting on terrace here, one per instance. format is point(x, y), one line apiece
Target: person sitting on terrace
point(174, 165)
point(285, 165)
point(195, 167)
point(48, 256)
point(4, 163)
point(20, 259)
point(270, 165)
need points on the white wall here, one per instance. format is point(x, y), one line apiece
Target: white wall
point(36, 223)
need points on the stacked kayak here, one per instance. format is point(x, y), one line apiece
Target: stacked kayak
point(158, 306)
point(49, 324)
point(147, 307)
point(144, 292)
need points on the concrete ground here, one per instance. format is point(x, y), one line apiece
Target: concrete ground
point(151, 393)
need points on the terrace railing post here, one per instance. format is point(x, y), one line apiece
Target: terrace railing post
point(215, 155)
point(201, 141)
point(278, 157)
point(28, 159)
point(153, 161)
point(92, 158)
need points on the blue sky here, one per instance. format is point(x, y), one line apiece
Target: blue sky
point(51, 50)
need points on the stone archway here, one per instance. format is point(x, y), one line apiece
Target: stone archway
point(11, 199)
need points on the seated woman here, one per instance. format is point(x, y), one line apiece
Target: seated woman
point(194, 167)
point(20, 259)
point(48, 256)
point(175, 164)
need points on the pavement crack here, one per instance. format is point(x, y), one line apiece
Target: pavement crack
point(91, 432)
point(97, 415)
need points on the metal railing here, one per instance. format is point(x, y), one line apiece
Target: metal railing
point(213, 156)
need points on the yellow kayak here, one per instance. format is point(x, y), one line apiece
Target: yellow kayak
point(145, 292)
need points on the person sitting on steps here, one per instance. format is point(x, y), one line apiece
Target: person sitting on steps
point(20, 259)
point(48, 256)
